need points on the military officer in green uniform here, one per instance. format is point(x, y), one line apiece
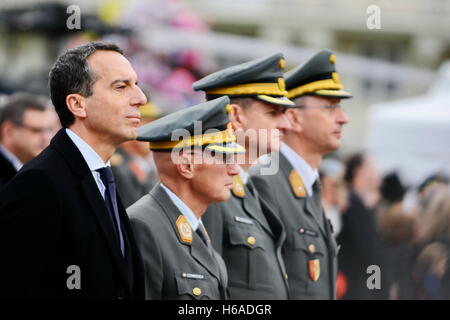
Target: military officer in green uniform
point(310, 251)
point(246, 232)
point(195, 169)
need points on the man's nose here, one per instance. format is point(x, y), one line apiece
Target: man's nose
point(284, 123)
point(139, 98)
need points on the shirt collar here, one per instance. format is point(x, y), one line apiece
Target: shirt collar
point(17, 164)
point(244, 175)
point(93, 160)
point(308, 174)
point(184, 209)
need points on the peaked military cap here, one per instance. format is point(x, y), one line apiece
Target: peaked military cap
point(317, 76)
point(261, 79)
point(215, 134)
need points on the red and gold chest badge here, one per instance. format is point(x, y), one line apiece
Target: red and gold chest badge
point(238, 187)
point(297, 184)
point(314, 269)
point(184, 229)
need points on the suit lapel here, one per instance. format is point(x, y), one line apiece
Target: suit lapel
point(253, 208)
point(312, 210)
point(198, 249)
point(308, 206)
point(102, 215)
point(64, 145)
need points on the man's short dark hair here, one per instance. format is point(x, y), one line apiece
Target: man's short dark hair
point(71, 74)
point(18, 103)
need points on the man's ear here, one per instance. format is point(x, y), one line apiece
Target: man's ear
point(294, 118)
point(76, 104)
point(185, 166)
point(6, 128)
point(236, 116)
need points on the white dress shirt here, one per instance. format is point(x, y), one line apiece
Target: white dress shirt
point(243, 174)
point(16, 163)
point(93, 160)
point(184, 209)
point(308, 174)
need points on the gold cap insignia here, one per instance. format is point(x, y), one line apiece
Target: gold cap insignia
point(333, 58)
point(297, 184)
point(184, 229)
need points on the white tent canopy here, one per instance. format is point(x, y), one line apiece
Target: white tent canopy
point(412, 136)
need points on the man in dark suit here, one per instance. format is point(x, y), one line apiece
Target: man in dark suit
point(64, 233)
point(246, 232)
point(180, 262)
point(25, 130)
point(310, 251)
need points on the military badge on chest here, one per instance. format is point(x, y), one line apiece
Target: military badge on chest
point(313, 263)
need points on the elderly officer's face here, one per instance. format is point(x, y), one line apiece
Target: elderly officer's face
point(212, 177)
point(322, 121)
point(113, 108)
point(263, 125)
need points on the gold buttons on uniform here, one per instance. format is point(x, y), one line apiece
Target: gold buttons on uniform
point(312, 248)
point(197, 291)
point(251, 240)
point(286, 277)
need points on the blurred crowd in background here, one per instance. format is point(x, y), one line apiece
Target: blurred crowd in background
point(379, 218)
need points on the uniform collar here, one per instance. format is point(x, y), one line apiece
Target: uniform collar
point(16, 163)
point(184, 209)
point(308, 174)
point(244, 175)
point(93, 160)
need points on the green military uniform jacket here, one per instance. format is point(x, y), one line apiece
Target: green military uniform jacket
point(178, 264)
point(309, 252)
point(249, 236)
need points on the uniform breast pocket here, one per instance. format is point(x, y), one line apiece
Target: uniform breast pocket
point(197, 286)
point(246, 258)
point(249, 237)
point(310, 254)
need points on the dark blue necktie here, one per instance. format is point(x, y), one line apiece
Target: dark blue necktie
point(111, 202)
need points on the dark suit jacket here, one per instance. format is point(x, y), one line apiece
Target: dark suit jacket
point(256, 271)
point(174, 269)
point(7, 171)
point(53, 216)
point(303, 229)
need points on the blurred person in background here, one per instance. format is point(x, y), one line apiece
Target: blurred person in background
point(435, 227)
point(360, 238)
point(26, 127)
point(133, 165)
point(430, 268)
point(399, 235)
point(334, 192)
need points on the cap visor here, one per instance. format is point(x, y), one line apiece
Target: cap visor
point(230, 147)
point(281, 101)
point(333, 93)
